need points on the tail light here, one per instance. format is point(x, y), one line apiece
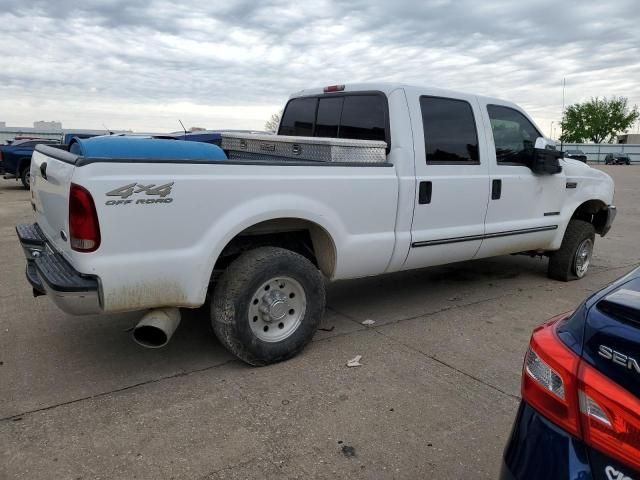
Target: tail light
point(610, 416)
point(549, 378)
point(578, 398)
point(84, 230)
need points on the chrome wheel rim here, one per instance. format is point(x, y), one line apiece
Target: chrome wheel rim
point(277, 309)
point(583, 257)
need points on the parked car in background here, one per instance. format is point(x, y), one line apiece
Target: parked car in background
point(579, 417)
point(15, 158)
point(617, 159)
point(576, 155)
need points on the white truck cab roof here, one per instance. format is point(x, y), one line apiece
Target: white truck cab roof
point(412, 91)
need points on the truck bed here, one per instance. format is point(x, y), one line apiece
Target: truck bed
point(164, 220)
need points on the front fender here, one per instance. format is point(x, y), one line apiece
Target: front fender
point(584, 184)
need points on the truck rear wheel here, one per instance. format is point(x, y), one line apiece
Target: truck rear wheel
point(267, 305)
point(574, 257)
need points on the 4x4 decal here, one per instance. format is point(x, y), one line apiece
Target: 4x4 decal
point(152, 189)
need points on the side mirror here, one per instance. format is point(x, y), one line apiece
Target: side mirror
point(546, 157)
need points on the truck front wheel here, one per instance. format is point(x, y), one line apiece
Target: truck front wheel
point(574, 257)
point(267, 305)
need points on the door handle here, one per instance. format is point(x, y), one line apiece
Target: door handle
point(424, 193)
point(43, 170)
point(496, 189)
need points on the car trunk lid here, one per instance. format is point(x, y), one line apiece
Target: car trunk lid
point(612, 335)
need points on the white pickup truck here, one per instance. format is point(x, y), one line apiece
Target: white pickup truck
point(462, 177)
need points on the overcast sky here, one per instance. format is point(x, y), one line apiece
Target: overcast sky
point(144, 65)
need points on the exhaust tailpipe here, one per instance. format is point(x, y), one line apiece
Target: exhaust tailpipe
point(156, 328)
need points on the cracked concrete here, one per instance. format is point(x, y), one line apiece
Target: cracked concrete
point(434, 398)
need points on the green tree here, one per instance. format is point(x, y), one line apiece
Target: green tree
point(597, 120)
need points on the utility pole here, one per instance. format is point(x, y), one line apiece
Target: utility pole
point(564, 83)
point(551, 130)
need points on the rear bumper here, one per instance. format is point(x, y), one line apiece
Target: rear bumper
point(539, 449)
point(50, 274)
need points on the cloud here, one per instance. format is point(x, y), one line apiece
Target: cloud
point(155, 61)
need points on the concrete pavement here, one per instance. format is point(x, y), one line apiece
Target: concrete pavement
point(434, 398)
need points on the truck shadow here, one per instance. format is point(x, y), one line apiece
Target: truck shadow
point(401, 295)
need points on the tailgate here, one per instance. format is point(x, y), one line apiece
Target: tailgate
point(50, 181)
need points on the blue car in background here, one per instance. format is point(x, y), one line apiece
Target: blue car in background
point(15, 158)
point(580, 412)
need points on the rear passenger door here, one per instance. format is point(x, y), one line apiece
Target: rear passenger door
point(452, 180)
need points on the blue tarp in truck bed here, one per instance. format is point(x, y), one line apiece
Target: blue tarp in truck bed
point(144, 147)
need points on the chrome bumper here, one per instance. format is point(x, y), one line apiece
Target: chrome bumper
point(50, 274)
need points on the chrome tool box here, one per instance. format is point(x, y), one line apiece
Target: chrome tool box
point(282, 147)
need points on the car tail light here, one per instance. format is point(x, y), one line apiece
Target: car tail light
point(549, 378)
point(610, 416)
point(84, 230)
point(578, 398)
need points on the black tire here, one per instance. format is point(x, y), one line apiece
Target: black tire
point(25, 177)
point(234, 294)
point(562, 263)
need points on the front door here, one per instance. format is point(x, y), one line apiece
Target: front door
point(452, 180)
point(524, 208)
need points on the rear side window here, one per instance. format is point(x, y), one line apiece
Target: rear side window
point(513, 134)
point(450, 134)
point(360, 117)
point(299, 117)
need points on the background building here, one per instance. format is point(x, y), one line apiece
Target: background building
point(12, 133)
point(48, 125)
point(629, 138)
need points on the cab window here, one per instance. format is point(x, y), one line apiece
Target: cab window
point(514, 135)
point(328, 118)
point(299, 117)
point(361, 116)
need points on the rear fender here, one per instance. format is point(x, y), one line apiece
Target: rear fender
point(263, 209)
